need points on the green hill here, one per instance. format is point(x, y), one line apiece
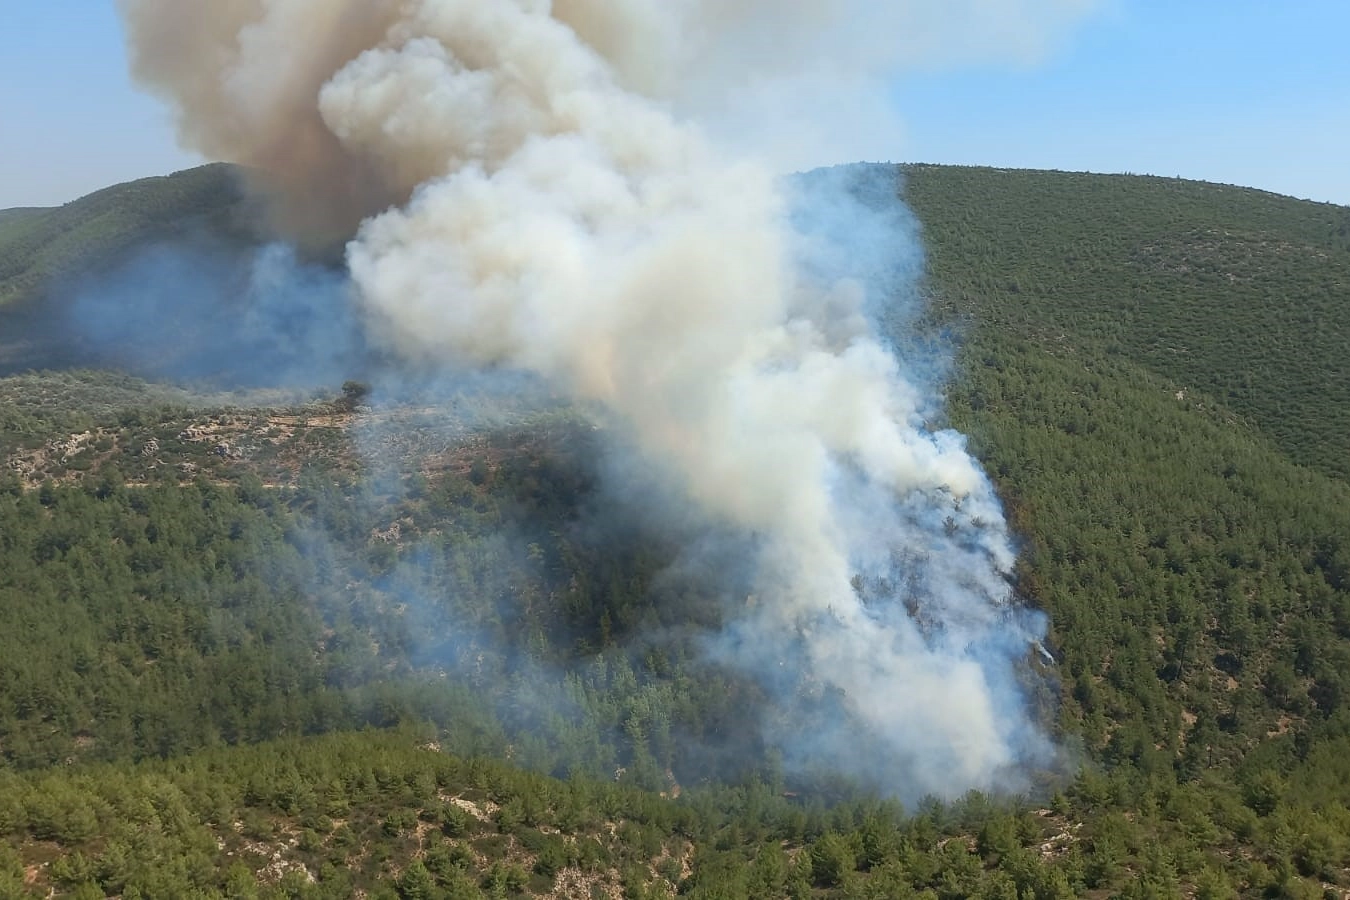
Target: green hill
point(149, 276)
point(1238, 294)
point(42, 246)
point(205, 598)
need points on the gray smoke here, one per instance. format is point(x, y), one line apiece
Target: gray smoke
point(201, 310)
point(560, 188)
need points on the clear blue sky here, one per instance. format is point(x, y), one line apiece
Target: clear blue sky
point(1248, 92)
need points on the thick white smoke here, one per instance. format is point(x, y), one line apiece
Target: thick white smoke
point(537, 191)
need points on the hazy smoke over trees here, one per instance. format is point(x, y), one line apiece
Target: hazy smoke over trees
point(558, 187)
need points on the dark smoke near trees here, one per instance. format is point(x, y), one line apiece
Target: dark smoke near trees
point(560, 189)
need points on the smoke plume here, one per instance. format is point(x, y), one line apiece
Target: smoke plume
point(561, 188)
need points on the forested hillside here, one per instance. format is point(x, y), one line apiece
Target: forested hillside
point(1232, 293)
point(41, 246)
point(241, 654)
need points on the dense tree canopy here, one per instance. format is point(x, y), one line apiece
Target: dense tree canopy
point(239, 658)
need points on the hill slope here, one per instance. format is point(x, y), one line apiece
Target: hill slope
point(38, 246)
point(1234, 292)
point(1237, 293)
point(181, 572)
point(171, 278)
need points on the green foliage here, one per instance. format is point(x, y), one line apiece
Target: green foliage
point(38, 246)
point(1236, 295)
point(832, 860)
point(1151, 370)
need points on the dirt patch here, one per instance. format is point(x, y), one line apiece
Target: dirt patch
point(574, 884)
point(483, 811)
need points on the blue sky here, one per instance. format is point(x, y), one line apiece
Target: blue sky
point(1244, 92)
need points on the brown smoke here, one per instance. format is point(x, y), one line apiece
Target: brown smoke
point(245, 76)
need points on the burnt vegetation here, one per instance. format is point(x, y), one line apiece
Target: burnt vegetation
point(271, 644)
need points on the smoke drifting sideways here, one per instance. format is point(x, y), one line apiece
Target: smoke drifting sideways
point(200, 310)
point(535, 190)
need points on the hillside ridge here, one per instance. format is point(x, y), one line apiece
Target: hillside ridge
point(329, 643)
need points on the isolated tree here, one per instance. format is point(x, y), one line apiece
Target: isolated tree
point(354, 394)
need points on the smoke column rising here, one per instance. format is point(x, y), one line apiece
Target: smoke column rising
point(535, 188)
